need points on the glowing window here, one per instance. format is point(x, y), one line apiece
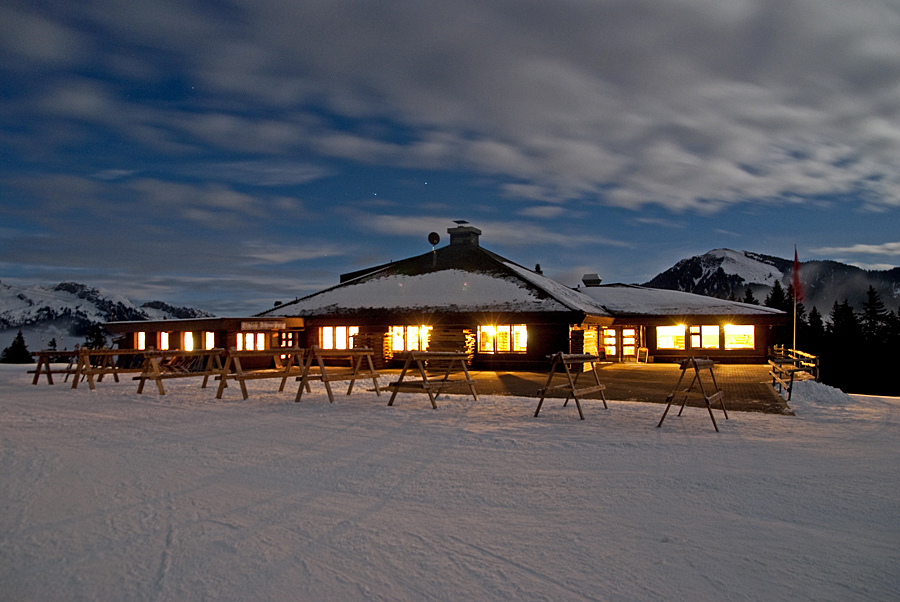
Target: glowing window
point(164, 340)
point(670, 337)
point(609, 342)
point(505, 338)
point(520, 338)
point(249, 341)
point(705, 336)
point(335, 337)
point(209, 340)
point(187, 339)
point(740, 336)
point(141, 340)
point(410, 338)
point(629, 341)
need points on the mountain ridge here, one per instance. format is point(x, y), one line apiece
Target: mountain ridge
point(67, 310)
point(726, 273)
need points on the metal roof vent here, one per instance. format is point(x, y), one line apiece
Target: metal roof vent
point(591, 279)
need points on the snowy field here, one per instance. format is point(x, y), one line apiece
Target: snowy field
point(111, 496)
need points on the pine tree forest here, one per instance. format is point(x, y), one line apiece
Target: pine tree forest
point(859, 348)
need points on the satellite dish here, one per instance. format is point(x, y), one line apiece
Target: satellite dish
point(434, 238)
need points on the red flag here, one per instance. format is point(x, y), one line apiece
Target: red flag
point(798, 288)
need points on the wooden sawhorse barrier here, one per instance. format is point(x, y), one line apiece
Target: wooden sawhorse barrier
point(718, 395)
point(356, 370)
point(564, 360)
point(287, 362)
point(43, 365)
point(162, 365)
point(100, 362)
point(432, 387)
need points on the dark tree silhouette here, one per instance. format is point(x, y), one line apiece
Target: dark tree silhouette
point(17, 352)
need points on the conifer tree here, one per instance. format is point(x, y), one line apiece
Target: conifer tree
point(815, 333)
point(17, 352)
point(95, 339)
point(749, 298)
point(874, 316)
point(778, 299)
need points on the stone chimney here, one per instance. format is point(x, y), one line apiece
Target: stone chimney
point(464, 235)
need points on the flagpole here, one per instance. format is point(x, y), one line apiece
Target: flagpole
point(796, 279)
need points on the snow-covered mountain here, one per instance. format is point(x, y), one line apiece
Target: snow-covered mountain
point(67, 310)
point(725, 273)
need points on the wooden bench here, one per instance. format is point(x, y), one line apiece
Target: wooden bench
point(354, 372)
point(565, 362)
point(287, 362)
point(698, 365)
point(162, 365)
point(432, 387)
point(45, 368)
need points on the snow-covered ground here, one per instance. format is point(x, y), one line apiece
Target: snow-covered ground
point(109, 495)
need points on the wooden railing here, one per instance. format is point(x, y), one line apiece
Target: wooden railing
point(803, 361)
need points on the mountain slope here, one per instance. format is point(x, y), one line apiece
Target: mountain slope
point(726, 273)
point(67, 310)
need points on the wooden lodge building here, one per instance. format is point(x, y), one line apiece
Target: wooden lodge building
point(506, 317)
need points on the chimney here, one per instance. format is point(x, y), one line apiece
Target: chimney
point(464, 235)
point(591, 279)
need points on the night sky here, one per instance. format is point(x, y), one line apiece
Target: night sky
point(229, 154)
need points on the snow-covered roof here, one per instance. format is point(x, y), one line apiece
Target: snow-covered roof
point(463, 277)
point(451, 290)
point(458, 278)
point(633, 300)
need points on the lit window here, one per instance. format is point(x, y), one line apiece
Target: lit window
point(670, 337)
point(609, 341)
point(209, 340)
point(629, 341)
point(506, 338)
point(520, 338)
point(486, 337)
point(247, 341)
point(739, 336)
point(141, 340)
point(705, 336)
point(188, 341)
point(337, 337)
point(410, 338)
point(164, 340)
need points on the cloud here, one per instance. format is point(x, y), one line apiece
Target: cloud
point(277, 254)
point(888, 248)
point(512, 233)
point(259, 172)
point(692, 106)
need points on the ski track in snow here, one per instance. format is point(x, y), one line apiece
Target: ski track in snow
point(110, 495)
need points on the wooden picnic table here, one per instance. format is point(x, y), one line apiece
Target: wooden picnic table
point(100, 362)
point(44, 367)
point(432, 387)
point(698, 365)
point(161, 365)
point(355, 370)
point(564, 361)
point(286, 362)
